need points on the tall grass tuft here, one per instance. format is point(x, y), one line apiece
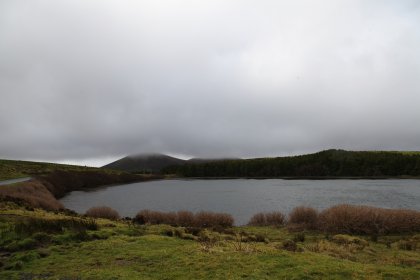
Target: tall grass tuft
point(32, 225)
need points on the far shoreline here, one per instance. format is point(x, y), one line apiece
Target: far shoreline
point(296, 178)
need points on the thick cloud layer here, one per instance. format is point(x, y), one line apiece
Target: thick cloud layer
point(86, 80)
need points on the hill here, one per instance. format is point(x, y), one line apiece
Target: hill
point(144, 163)
point(50, 181)
point(155, 163)
point(10, 169)
point(329, 163)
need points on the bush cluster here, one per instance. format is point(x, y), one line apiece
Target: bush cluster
point(32, 193)
point(345, 219)
point(185, 218)
point(368, 220)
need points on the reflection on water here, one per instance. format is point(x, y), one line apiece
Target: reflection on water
point(242, 197)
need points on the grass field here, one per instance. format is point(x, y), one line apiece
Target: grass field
point(11, 169)
point(37, 244)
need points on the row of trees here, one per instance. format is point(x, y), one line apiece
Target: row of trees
point(330, 163)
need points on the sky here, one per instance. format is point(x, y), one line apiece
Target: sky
point(87, 82)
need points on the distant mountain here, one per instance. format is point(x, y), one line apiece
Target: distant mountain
point(144, 162)
point(155, 162)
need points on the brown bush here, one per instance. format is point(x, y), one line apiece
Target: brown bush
point(275, 218)
point(305, 217)
point(211, 219)
point(33, 193)
point(267, 219)
point(258, 220)
point(103, 212)
point(368, 220)
point(184, 218)
point(149, 217)
point(156, 217)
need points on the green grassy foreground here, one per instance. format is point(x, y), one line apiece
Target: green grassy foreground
point(36, 244)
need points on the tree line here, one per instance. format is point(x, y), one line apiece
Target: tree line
point(329, 163)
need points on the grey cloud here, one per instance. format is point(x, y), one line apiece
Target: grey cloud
point(83, 80)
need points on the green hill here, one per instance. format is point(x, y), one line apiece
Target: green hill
point(329, 163)
point(10, 169)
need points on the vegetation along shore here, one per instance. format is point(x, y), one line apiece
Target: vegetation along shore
point(341, 242)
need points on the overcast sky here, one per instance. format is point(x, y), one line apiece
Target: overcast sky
point(90, 81)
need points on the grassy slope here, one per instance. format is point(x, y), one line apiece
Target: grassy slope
point(10, 169)
point(120, 251)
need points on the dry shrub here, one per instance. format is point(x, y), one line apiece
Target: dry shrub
point(368, 220)
point(275, 218)
point(103, 212)
point(150, 217)
point(211, 219)
point(185, 218)
point(170, 218)
point(306, 217)
point(33, 193)
point(258, 220)
point(267, 219)
point(156, 217)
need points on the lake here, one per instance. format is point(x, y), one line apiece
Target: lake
point(244, 197)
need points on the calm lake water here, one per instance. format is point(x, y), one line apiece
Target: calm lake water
point(244, 197)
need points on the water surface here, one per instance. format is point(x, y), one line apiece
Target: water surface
point(244, 197)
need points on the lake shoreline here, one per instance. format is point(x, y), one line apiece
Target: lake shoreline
point(243, 197)
point(300, 178)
